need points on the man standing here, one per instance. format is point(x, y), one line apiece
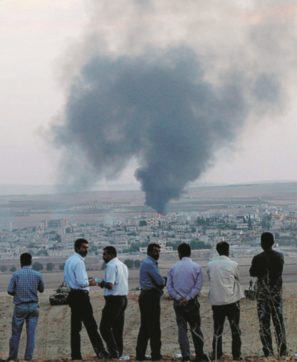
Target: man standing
point(151, 285)
point(224, 296)
point(184, 284)
point(268, 268)
point(115, 286)
point(76, 278)
point(24, 285)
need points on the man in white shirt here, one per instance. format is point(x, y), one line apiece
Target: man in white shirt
point(115, 286)
point(224, 296)
point(76, 277)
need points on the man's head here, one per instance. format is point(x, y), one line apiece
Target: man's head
point(267, 240)
point(81, 246)
point(153, 250)
point(184, 249)
point(109, 252)
point(25, 259)
point(223, 248)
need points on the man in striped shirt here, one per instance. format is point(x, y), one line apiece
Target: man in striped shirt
point(24, 285)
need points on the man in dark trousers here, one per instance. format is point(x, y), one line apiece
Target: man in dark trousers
point(115, 286)
point(24, 286)
point(76, 278)
point(268, 268)
point(151, 284)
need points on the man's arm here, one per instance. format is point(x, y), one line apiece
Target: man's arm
point(197, 286)
point(109, 278)
point(155, 275)
point(40, 287)
point(253, 269)
point(11, 286)
point(170, 286)
point(80, 275)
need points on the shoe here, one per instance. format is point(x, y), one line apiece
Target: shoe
point(203, 358)
point(103, 355)
point(186, 359)
point(143, 358)
point(213, 357)
point(157, 357)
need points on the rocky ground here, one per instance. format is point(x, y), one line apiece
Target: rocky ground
point(53, 334)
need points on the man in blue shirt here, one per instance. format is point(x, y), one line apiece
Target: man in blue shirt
point(24, 285)
point(184, 284)
point(151, 285)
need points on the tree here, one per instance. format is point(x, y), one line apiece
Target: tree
point(129, 263)
point(37, 266)
point(61, 266)
point(50, 266)
point(13, 269)
point(137, 263)
point(3, 268)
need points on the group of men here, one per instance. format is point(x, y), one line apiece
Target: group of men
point(184, 283)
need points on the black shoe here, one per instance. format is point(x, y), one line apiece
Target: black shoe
point(203, 358)
point(103, 355)
point(157, 357)
point(186, 359)
point(143, 358)
point(214, 357)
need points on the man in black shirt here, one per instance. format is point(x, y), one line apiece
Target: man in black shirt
point(268, 268)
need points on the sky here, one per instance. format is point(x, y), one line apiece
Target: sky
point(239, 51)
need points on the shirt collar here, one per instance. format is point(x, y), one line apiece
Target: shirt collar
point(113, 260)
point(152, 259)
point(81, 257)
point(186, 258)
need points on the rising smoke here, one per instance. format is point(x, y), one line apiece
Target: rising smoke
point(156, 106)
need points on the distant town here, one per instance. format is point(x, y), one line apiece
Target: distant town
point(46, 226)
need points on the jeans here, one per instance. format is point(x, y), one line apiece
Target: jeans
point(232, 312)
point(150, 330)
point(271, 306)
point(28, 312)
point(82, 312)
point(189, 314)
point(112, 323)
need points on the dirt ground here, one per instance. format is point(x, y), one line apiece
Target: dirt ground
point(53, 334)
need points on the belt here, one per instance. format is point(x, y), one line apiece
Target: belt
point(80, 291)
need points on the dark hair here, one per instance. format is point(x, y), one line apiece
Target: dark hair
point(223, 248)
point(267, 240)
point(26, 259)
point(151, 246)
point(184, 249)
point(111, 250)
point(78, 243)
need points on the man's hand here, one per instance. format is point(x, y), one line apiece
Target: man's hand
point(92, 282)
point(183, 302)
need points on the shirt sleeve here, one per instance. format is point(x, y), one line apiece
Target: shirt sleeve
point(81, 275)
point(253, 269)
point(155, 275)
point(40, 285)
point(110, 274)
point(197, 286)
point(11, 286)
point(170, 286)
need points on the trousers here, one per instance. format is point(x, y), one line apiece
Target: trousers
point(189, 314)
point(112, 323)
point(271, 306)
point(232, 312)
point(150, 330)
point(28, 312)
point(82, 312)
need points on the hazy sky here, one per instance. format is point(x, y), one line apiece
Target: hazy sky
point(45, 42)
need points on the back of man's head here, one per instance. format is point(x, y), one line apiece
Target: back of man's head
point(267, 240)
point(184, 249)
point(111, 250)
point(223, 248)
point(25, 259)
point(79, 242)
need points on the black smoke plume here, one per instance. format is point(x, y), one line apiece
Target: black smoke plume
point(158, 109)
